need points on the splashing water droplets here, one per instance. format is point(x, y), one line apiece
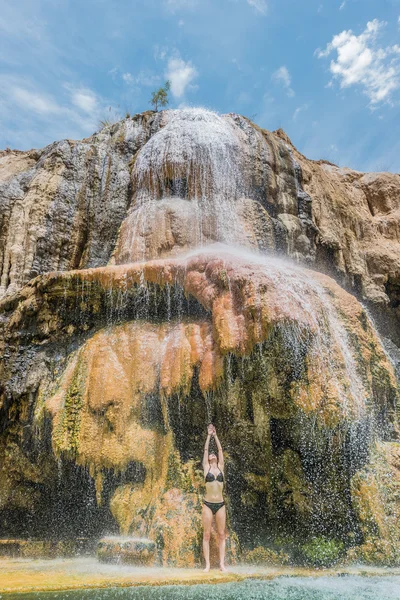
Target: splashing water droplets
point(189, 324)
point(301, 293)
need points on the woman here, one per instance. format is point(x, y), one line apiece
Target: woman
point(213, 503)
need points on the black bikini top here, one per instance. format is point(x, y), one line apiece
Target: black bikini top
point(211, 477)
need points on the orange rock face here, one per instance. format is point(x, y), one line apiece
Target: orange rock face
point(245, 300)
point(149, 329)
point(358, 216)
point(303, 349)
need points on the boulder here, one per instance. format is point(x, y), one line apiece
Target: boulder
point(135, 551)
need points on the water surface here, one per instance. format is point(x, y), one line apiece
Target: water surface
point(283, 588)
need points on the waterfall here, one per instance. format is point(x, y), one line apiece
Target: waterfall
point(301, 294)
point(196, 318)
point(195, 155)
point(190, 187)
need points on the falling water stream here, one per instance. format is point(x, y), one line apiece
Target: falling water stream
point(189, 188)
point(300, 290)
point(189, 182)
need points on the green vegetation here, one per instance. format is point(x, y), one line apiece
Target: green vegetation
point(160, 97)
point(66, 433)
point(378, 552)
point(265, 556)
point(322, 552)
point(105, 123)
point(113, 116)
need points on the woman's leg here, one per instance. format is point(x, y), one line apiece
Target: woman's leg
point(207, 522)
point(220, 519)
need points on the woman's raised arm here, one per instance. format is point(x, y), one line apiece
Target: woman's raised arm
point(210, 433)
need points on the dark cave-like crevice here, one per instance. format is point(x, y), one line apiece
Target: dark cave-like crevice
point(85, 308)
point(66, 509)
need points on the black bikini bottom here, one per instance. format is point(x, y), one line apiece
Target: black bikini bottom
point(214, 506)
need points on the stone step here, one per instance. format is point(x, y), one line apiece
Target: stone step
point(140, 551)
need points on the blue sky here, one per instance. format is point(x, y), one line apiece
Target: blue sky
point(326, 71)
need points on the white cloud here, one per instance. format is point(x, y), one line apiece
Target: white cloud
point(260, 6)
point(147, 78)
point(23, 22)
point(128, 78)
point(341, 7)
point(84, 99)
point(143, 78)
point(160, 53)
point(33, 101)
point(360, 61)
point(282, 76)
point(180, 74)
point(298, 110)
point(31, 116)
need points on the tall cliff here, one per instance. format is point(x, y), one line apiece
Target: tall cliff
point(145, 291)
point(62, 207)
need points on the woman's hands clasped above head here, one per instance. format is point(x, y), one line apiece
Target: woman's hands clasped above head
point(211, 430)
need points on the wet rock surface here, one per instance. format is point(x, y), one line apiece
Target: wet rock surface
point(88, 574)
point(62, 207)
point(260, 347)
point(128, 322)
point(135, 551)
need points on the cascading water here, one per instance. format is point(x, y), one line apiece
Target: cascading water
point(125, 364)
point(301, 292)
point(196, 154)
point(190, 187)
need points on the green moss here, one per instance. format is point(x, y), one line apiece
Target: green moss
point(265, 556)
point(181, 476)
point(224, 278)
point(376, 494)
point(322, 552)
point(66, 436)
point(376, 552)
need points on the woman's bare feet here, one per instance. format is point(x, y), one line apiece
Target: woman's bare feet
point(223, 568)
point(207, 569)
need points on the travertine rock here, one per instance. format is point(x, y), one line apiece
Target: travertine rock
point(358, 240)
point(62, 207)
point(268, 347)
point(136, 551)
point(115, 360)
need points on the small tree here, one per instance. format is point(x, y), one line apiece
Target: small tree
point(160, 97)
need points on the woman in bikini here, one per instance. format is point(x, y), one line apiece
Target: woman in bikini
point(213, 503)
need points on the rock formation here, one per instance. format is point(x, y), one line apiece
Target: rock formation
point(146, 292)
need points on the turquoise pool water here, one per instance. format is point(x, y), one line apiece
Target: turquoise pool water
point(284, 588)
